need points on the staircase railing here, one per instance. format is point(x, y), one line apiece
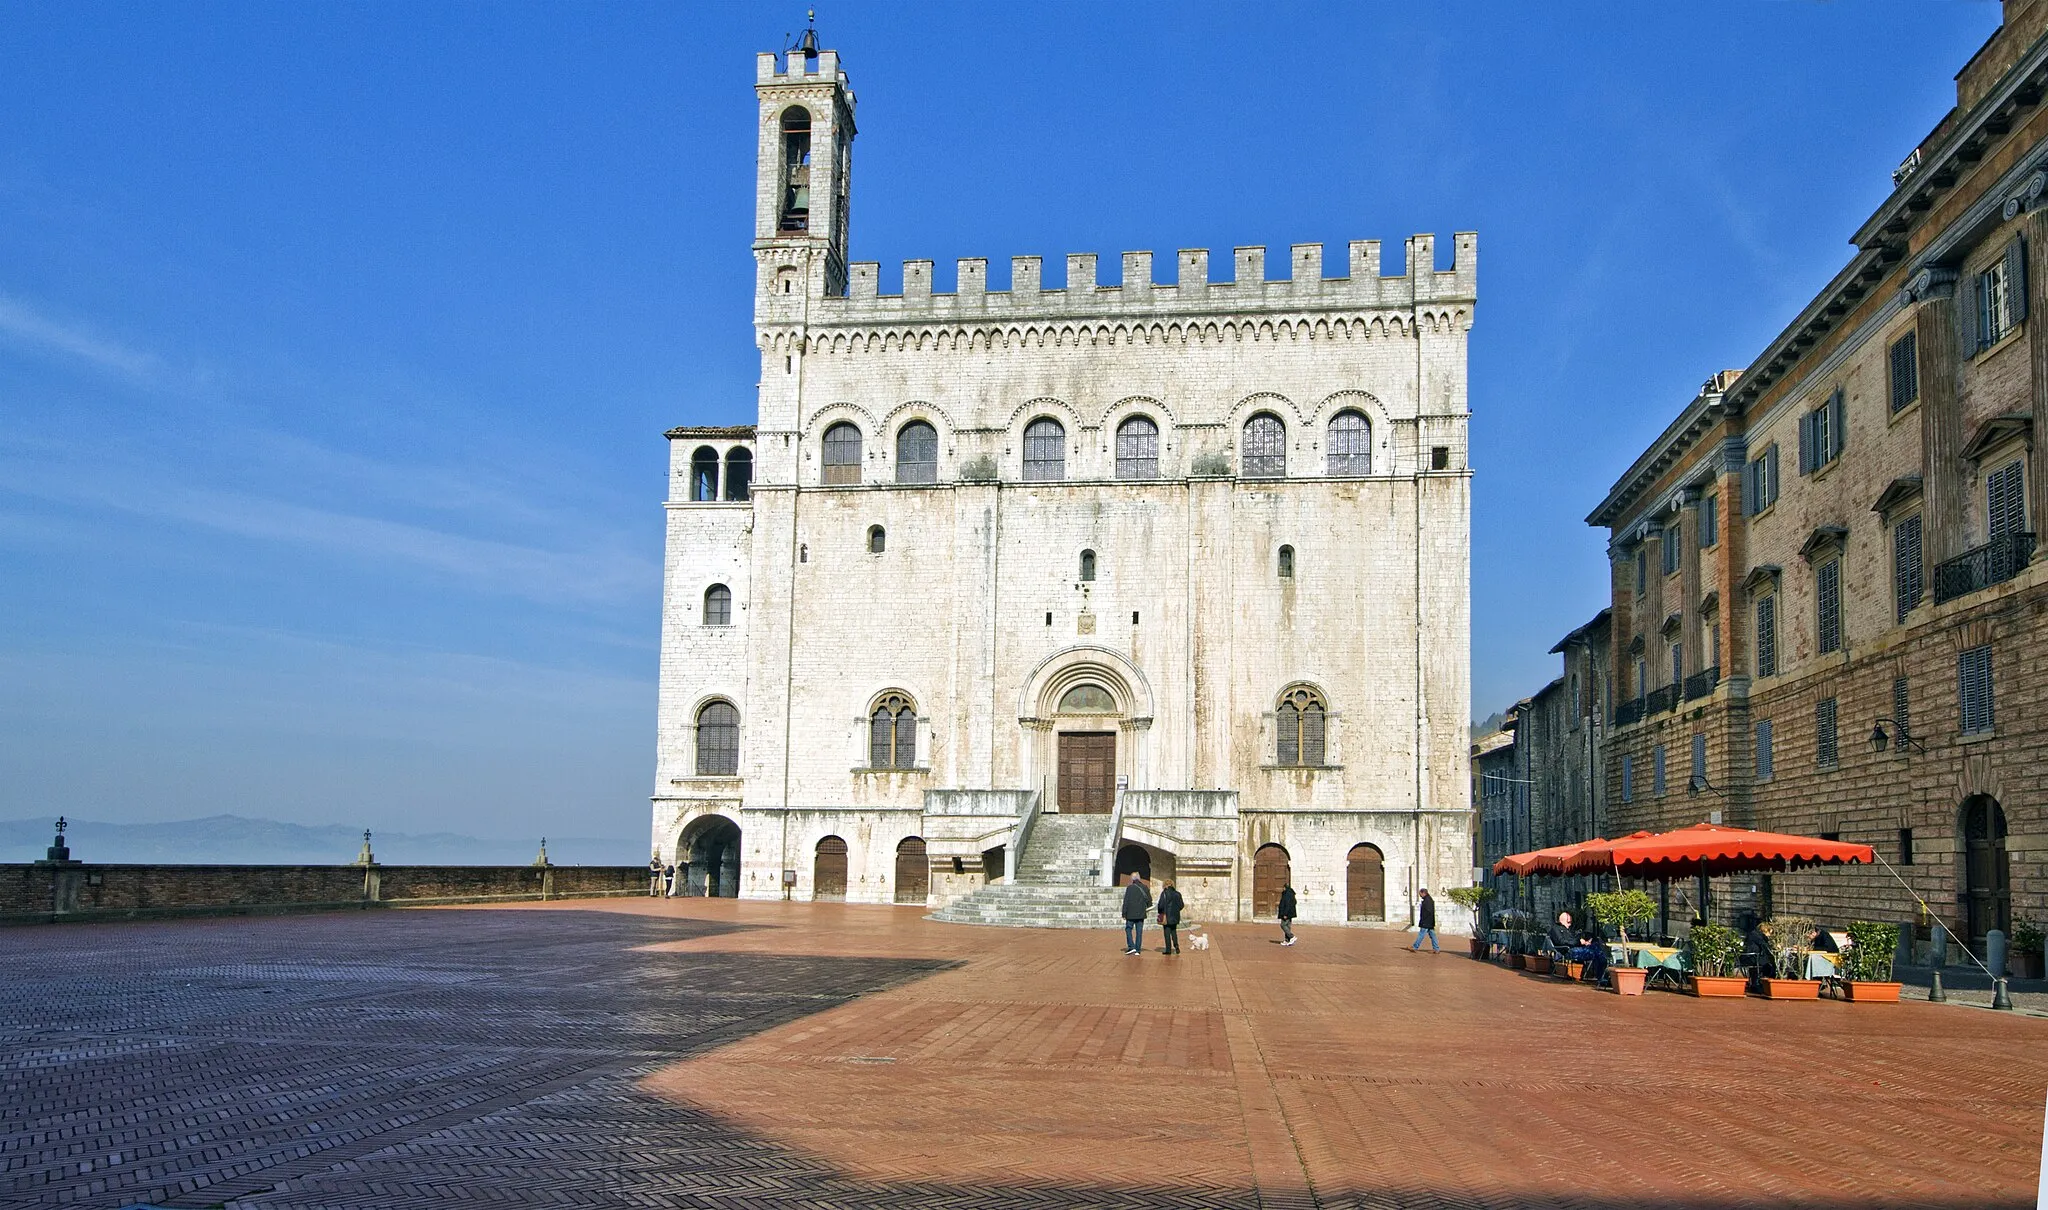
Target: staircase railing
point(1014, 857)
point(1116, 831)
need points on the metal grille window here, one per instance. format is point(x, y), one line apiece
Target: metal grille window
point(1763, 750)
point(1907, 570)
point(1973, 677)
point(1301, 720)
point(1350, 446)
point(892, 733)
point(1824, 750)
point(1699, 758)
point(1045, 451)
point(1767, 635)
point(842, 455)
point(1902, 711)
point(1822, 433)
point(1669, 547)
point(917, 453)
point(1760, 482)
point(1265, 447)
point(1628, 778)
point(2005, 500)
point(718, 740)
point(1905, 371)
point(718, 605)
point(1828, 601)
point(1710, 519)
point(1137, 449)
point(1657, 769)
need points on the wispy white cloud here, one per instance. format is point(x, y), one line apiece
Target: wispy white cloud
point(23, 324)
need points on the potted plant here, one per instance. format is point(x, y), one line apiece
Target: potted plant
point(1791, 941)
point(1868, 963)
point(1714, 949)
point(1620, 909)
point(2025, 957)
point(1471, 898)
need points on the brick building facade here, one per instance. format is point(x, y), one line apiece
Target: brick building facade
point(1828, 605)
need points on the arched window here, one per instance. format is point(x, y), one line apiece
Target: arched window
point(1350, 444)
point(1045, 451)
point(739, 473)
point(718, 740)
point(704, 474)
point(878, 539)
point(892, 733)
point(1287, 562)
point(842, 455)
point(718, 605)
point(1137, 449)
point(796, 169)
point(1087, 565)
point(1265, 447)
point(917, 453)
point(1300, 724)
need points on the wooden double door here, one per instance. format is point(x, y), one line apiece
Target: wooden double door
point(1087, 772)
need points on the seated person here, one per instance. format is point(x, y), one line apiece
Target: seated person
point(1579, 945)
point(1759, 957)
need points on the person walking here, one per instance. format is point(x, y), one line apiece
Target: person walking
point(1425, 924)
point(1137, 903)
point(1286, 914)
point(1169, 917)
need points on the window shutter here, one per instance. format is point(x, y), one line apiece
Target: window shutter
point(1973, 684)
point(1969, 308)
point(1838, 423)
point(1906, 566)
point(1905, 370)
point(2005, 501)
point(1657, 770)
point(1628, 778)
point(1771, 475)
point(1763, 750)
point(1767, 636)
point(2016, 278)
point(1824, 750)
point(1751, 494)
point(1699, 756)
point(1807, 441)
point(1902, 709)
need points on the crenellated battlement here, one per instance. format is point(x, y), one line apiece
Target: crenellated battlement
point(796, 68)
point(1250, 290)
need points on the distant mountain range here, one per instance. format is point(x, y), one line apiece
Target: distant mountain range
point(236, 840)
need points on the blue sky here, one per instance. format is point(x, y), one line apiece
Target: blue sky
point(337, 341)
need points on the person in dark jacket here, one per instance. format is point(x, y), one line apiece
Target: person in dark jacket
point(1169, 917)
point(1579, 945)
point(1286, 914)
point(1137, 902)
point(1425, 924)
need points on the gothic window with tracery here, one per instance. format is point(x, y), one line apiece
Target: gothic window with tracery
point(1301, 721)
point(892, 733)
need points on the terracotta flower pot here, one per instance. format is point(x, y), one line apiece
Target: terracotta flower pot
point(1719, 985)
point(1792, 989)
point(2025, 966)
point(1519, 961)
point(1577, 970)
point(1479, 948)
point(1539, 964)
point(1628, 980)
point(1873, 993)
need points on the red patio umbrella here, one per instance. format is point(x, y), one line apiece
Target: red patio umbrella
point(1544, 861)
point(1711, 849)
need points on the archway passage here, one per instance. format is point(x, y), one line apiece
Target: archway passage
point(1987, 876)
point(913, 871)
point(1271, 872)
point(1365, 883)
point(710, 855)
point(1133, 859)
point(828, 870)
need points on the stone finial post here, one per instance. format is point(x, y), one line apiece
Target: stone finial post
point(59, 851)
point(542, 860)
point(366, 857)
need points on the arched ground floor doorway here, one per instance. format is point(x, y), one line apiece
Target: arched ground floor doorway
point(913, 871)
point(709, 852)
point(1271, 873)
point(1143, 860)
point(1365, 883)
point(828, 869)
point(1986, 873)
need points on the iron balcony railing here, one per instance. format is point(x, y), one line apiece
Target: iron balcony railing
point(1661, 699)
point(1995, 562)
point(1629, 712)
point(1701, 683)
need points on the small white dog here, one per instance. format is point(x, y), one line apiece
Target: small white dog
point(1199, 940)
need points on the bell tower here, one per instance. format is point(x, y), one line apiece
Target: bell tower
point(800, 207)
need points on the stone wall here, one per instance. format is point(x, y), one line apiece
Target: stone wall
point(85, 891)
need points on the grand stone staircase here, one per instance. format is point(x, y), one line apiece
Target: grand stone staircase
point(1056, 885)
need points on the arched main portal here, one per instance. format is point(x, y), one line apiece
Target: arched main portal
point(1271, 872)
point(913, 871)
point(709, 852)
point(828, 869)
point(1987, 877)
point(1365, 883)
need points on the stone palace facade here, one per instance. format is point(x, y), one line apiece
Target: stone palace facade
point(1177, 572)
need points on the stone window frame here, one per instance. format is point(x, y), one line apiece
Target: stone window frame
point(1137, 452)
point(1045, 450)
point(1263, 454)
point(892, 732)
point(1356, 458)
point(922, 470)
point(705, 755)
point(717, 605)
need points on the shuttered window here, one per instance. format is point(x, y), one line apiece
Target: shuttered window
point(2000, 301)
point(1628, 778)
point(1760, 482)
point(1710, 520)
point(1973, 677)
point(1828, 598)
point(1824, 750)
point(1907, 574)
point(2006, 500)
point(1902, 710)
point(1657, 769)
point(1677, 664)
point(1767, 635)
point(1699, 758)
point(1763, 750)
point(1905, 371)
point(1822, 433)
point(1669, 546)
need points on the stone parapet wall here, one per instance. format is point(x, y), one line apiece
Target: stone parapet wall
point(86, 891)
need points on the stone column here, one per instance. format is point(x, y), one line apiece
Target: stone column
point(1941, 420)
point(1697, 657)
point(2037, 359)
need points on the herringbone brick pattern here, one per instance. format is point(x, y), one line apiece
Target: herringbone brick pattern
point(719, 1054)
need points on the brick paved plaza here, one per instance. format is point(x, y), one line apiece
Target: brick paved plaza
point(717, 1053)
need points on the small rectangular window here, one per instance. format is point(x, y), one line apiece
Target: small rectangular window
point(1907, 569)
point(1767, 635)
point(1828, 603)
point(1763, 750)
point(1821, 434)
point(1905, 371)
point(1657, 769)
point(1824, 750)
point(2005, 501)
point(1439, 457)
point(1973, 685)
point(1710, 519)
point(1760, 482)
point(1628, 778)
point(1905, 846)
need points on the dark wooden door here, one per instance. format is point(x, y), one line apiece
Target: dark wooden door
point(1087, 772)
point(1987, 887)
point(1270, 874)
point(913, 872)
point(1365, 884)
point(828, 873)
